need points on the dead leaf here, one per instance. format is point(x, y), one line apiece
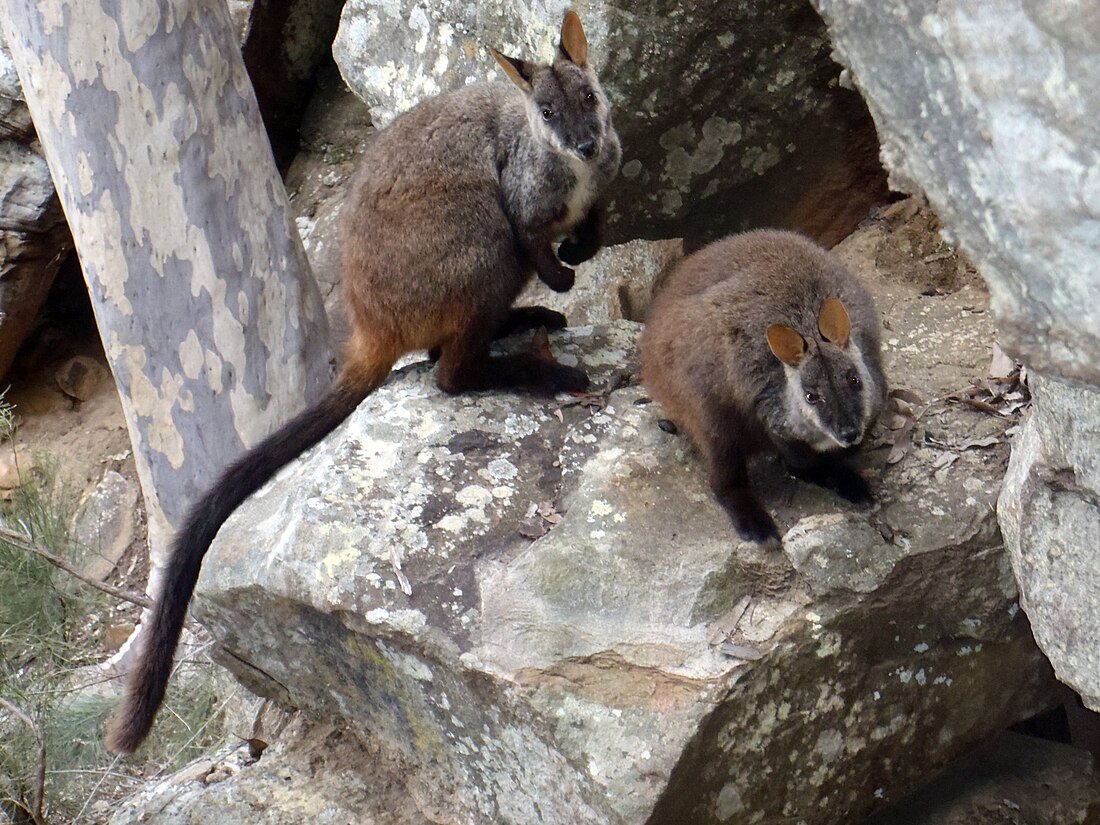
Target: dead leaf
point(256, 747)
point(945, 459)
point(906, 395)
point(904, 408)
point(979, 404)
point(901, 442)
point(725, 624)
point(895, 421)
point(985, 441)
point(749, 654)
point(540, 344)
point(1002, 366)
point(533, 528)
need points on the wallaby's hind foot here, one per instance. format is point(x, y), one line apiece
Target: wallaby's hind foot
point(557, 377)
point(524, 319)
point(465, 366)
point(529, 372)
point(520, 319)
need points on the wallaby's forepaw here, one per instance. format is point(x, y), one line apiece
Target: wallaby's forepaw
point(852, 486)
point(751, 521)
point(560, 279)
point(844, 481)
point(574, 252)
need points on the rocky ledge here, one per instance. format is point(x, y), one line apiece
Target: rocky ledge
point(518, 610)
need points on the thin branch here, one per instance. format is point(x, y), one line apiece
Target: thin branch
point(40, 778)
point(21, 541)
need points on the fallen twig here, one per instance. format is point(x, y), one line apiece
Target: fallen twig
point(40, 776)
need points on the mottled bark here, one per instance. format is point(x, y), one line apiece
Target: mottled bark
point(209, 315)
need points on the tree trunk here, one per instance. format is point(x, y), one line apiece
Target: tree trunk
point(208, 312)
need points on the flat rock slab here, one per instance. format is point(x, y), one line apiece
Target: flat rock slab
point(536, 609)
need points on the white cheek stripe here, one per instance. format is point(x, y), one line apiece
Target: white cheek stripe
point(797, 403)
point(865, 378)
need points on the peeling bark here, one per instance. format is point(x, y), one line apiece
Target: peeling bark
point(208, 312)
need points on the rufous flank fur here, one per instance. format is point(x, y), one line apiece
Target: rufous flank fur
point(456, 205)
point(764, 340)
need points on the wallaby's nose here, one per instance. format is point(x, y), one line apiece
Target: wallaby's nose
point(587, 148)
point(850, 435)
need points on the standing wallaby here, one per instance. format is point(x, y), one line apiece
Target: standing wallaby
point(762, 340)
point(455, 207)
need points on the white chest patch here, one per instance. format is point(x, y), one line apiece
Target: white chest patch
point(580, 199)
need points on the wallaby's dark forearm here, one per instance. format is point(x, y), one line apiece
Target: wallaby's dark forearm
point(585, 240)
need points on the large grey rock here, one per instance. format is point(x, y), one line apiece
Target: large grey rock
point(635, 662)
point(616, 284)
point(730, 113)
point(1013, 780)
point(989, 108)
point(1050, 514)
point(104, 524)
point(34, 238)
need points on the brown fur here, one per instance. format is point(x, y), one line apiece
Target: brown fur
point(714, 348)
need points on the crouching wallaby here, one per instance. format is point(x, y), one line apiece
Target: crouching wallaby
point(455, 208)
point(765, 340)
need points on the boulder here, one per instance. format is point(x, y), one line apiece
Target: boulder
point(730, 114)
point(530, 610)
point(283, 45)
point(104, 525)
point(988, 108)
point(1013, 780)
point(1051, 521)
point(34, 238)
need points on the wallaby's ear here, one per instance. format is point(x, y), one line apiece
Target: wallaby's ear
point(574, 45)
point(786, 344)
point(519, 71)
point(834, 323)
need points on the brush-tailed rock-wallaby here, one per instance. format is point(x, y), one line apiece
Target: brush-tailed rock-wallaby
point(765, 340)
point(455, 208)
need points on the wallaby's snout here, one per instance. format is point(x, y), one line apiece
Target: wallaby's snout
point(587, 148)
point(850, 434)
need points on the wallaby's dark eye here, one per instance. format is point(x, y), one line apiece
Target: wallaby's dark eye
point(854, 381)
point(547, 113)
point(590, 98)
point(813, 398)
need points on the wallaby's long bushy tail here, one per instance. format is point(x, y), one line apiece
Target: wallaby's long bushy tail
point(149, 674)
